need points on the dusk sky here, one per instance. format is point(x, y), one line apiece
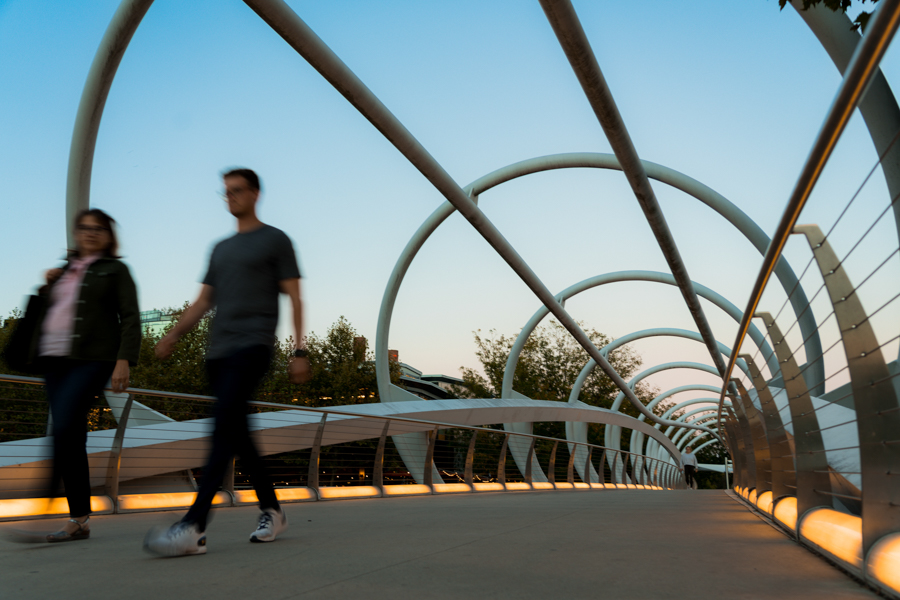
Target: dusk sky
point(729, 93)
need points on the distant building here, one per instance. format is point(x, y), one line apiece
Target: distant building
point(429, 387)
point(155, 321)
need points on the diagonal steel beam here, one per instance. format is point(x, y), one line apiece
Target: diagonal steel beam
point(574, 42)
point(284, 21)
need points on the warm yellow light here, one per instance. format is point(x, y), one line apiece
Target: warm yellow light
point(622, 486)
point(518, 485)
point(542, 485)
point(786, 512)
point(171, 500)
point(764, 502)
point(883, 563)
point(565, 485)
point(294, 494)
point(38, 507)
point(406, 490)
point(580, 485)
point(836, 533)
point(597, 486)
point(451, 488)
point(488, 487)
point(751, 497)
point(350, 491)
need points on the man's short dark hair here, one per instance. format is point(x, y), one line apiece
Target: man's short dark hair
point(249, 176)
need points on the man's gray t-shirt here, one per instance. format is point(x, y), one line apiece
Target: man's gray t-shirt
point(245, 271)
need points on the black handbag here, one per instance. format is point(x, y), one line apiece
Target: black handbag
point(17, 354)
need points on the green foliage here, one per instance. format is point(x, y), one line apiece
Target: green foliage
point(859, 22)
point(547, 369)
point(343, 370)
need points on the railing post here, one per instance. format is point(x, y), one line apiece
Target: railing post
point(587, 466)
point(115, 456)
point(809, 448)
point(761, 453)
point(378, 467)
point(570, 468)
point(528, 478)
point(469, 475)
point(613, 475)
point(228, 480)
point(551, 467)
point(784, 479)
point(501, 464)
point(428, 473)
point(877, 409)
point(312, 478)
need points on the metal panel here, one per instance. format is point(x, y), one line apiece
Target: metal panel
point(378, 467)
point(812, 464)
point(470, 460)
point(501, 464)
point(784, 478)
point(877, 410)
point(761, 454)
point(312, 479)
point(115, 455)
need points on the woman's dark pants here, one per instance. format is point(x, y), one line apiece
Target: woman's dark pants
point(72, 387)
point(233, 380)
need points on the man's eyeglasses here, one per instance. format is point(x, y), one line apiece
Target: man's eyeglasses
point(91, 229)
point(232, 192)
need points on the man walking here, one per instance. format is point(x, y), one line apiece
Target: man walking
point(247, 271)
point(689, 464)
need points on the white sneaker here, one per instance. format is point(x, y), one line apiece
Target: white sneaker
point(271, 523)
point(181, 539)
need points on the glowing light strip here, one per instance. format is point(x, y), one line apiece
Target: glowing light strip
point(451, 488)
point(39, 507)
point(883, 563)
point(836, 533)
point(764, 502)
point(786, 512)
point(134, 502)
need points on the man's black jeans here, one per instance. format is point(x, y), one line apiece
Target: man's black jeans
point(690, 472)
point(72, 387)
point(233, 380)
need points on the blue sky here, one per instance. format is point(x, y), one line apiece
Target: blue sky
point(730, 93)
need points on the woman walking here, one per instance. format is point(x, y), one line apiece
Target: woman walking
point(91, 332)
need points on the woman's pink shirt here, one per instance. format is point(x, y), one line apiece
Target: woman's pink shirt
point(59, 324)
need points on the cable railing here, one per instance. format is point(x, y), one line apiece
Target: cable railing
point(146, 450)
point(818, 455)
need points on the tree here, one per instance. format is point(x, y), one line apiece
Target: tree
point(861, 20)
point(547, 369)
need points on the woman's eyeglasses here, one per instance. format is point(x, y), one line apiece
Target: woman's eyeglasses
point(91, 229)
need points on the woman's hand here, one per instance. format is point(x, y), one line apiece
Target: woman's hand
point(120, 376)
point(52, 275)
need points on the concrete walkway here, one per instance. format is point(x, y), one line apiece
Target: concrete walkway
point(571, 544)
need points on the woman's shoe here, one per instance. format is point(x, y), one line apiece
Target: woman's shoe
point(82, 533)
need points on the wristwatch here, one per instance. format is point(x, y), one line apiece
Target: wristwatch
point(301, 353)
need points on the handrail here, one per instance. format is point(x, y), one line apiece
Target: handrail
point(331, 411)
point(863, 67)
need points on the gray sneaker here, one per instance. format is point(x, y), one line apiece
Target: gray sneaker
point(181, 539)
point(271, 523)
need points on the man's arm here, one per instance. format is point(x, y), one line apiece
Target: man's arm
point(189, 319)
point(299, 369)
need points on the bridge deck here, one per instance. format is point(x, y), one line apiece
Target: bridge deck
point(578, 544)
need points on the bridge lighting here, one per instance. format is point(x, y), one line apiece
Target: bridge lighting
point(836, 533)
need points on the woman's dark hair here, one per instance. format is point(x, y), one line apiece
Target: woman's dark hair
point(106, 221)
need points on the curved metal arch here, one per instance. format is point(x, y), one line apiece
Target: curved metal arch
point(690, 186)
point(618, 277)
point(612, 435)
